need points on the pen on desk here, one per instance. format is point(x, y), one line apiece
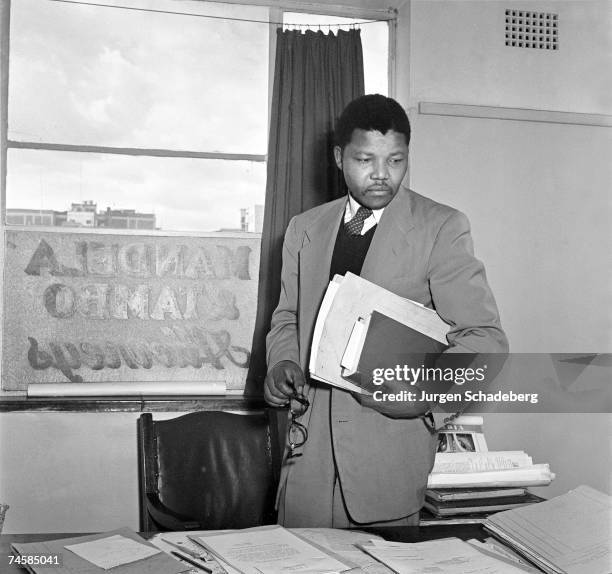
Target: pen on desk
point(191, 561)
point(199, 555)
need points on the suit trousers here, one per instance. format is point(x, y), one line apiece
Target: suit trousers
point(312, 495)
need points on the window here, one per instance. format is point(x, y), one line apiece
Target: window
point(134, 81)
point(137, 134)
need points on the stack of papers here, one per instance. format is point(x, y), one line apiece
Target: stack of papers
point(569, 534)
point(270, 550)
point(349, 299)
point(487, 469)
point(446, 556)
point(342, 544)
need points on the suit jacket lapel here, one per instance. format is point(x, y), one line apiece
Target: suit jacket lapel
point(390, 239)
point(315, 260)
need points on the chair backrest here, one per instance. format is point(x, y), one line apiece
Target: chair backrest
point(208, 470)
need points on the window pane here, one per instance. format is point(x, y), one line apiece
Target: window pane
point(118, 77)
point(374, 41)
point(98, 190)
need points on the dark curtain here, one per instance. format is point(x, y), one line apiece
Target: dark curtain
point(316, 75)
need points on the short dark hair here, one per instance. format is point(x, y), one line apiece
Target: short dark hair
point(372, 112)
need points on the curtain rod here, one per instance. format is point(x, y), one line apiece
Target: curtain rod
point(341, 10)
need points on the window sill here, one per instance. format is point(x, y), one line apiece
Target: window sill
point(131, 404)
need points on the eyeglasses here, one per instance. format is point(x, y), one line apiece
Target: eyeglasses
point(298, 433)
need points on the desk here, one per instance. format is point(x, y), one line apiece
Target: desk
point(394, 533)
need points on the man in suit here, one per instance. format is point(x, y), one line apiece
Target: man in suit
point(367, 462)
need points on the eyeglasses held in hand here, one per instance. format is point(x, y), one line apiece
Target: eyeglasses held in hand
point(298, 433)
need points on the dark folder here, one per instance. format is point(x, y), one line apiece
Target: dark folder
point(389, 343)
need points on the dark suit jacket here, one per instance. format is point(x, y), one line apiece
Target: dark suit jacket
point(421, 250)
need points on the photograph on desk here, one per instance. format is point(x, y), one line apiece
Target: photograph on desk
point(305, 286)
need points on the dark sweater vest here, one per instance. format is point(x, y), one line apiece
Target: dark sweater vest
point(349, 252)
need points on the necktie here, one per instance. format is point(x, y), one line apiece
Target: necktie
point(355, 225)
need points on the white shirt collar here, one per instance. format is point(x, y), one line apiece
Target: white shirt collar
point(351, 209)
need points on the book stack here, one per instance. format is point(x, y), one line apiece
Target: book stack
point(465, 505)
point(468, 482)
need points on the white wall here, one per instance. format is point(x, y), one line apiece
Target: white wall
point(69, 472)
point(459, 55)
point(537, 194)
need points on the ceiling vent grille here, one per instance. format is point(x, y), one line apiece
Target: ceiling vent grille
point(537, 30)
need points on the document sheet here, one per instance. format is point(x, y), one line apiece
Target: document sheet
point(446, 556)
point(270, 550)
point(344, 543)
point(112, 551)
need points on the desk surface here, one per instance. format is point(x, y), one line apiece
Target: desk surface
point(394, 533)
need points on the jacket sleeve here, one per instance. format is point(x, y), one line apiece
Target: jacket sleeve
point(460, 292)
point(282, 340)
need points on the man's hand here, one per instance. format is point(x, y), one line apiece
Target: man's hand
point(282, 381)
point(403, 409)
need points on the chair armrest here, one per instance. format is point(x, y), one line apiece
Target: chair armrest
point(167, 518)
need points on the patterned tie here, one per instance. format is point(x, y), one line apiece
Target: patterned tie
point(355, 225)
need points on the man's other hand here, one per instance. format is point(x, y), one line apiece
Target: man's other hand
point(282, 381)
point(394, 409)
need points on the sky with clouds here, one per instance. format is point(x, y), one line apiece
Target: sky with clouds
point(90, 75)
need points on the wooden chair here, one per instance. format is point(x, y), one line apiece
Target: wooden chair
point(208, 470)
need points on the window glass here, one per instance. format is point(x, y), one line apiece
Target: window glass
point(181, 194)
point(136, 78)
point(374, 41)
point(129, 78)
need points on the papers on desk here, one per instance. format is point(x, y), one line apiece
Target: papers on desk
point(121, 551)
point(446, 556)
point(112, 551)
point(270, 550)
point(180, 541)
point(340, 543)
point(345, 544)
point(569, 534)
